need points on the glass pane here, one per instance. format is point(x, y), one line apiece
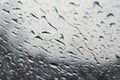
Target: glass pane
point(59, 39)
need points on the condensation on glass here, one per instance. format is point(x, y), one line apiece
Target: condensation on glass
point(59, 39)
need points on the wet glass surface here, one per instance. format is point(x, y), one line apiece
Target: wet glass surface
point(59, 39)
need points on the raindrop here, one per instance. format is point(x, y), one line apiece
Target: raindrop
point(117, 56)
point(101, 37)
point(15, 20)
point(46, 32)
point(110, 14)
point(38, 37)
point(32, 32)
point(34, 15)
point(74, 4)
point(16, 8)
point(112, 24)
point(96, 3)
point(7, 11)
